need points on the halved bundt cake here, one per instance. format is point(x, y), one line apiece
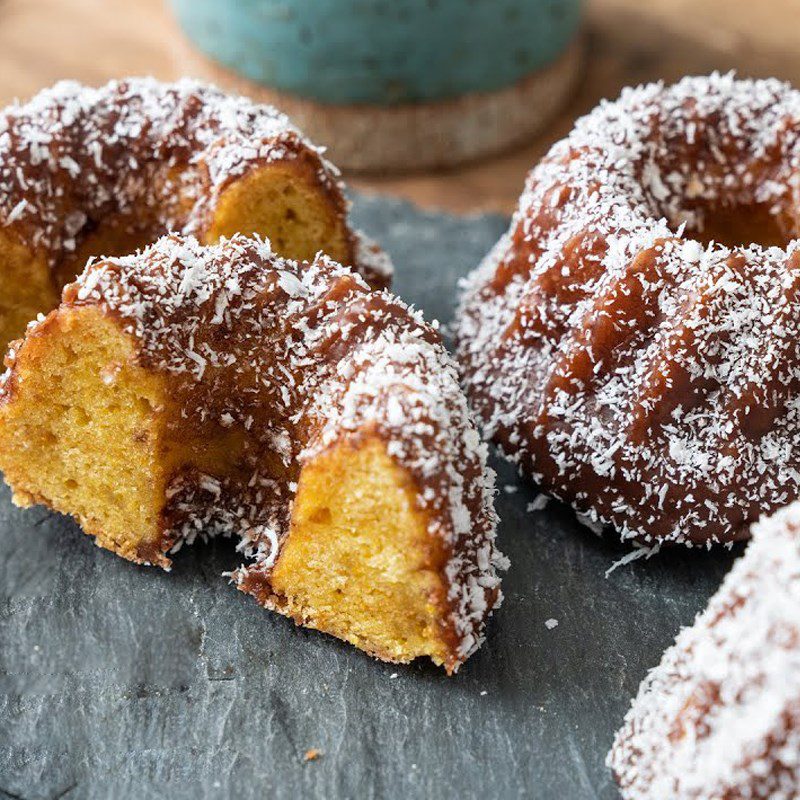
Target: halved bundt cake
point(195, 390)
point(88, 172)
point(633, 340)
point(719, 718)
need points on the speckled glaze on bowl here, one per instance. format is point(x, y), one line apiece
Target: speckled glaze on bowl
point(379, 74)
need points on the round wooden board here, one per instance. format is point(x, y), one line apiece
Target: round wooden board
point(629, 42)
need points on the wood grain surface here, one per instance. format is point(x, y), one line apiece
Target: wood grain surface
point(627, 42)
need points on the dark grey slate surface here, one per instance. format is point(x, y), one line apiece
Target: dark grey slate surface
point(122, 681)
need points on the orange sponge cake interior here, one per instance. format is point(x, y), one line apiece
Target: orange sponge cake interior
point(87, 172)
point(197, 390)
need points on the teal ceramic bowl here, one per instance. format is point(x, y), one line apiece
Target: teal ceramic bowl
point(381, 52)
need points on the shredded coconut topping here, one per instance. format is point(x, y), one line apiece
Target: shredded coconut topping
point(647, 378)
point(297, 357)
point(150, 154)
point(720, 716)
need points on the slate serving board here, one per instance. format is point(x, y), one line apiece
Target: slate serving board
point(123, 681)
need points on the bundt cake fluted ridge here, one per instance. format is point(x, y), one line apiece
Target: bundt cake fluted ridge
point(88, 172)
point(632, 341)
point(719, 718)
point(193, 390)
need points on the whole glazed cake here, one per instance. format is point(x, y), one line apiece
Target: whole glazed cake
point(88, 172)
point(194, 389)
point(632, 341)
point(719, 718)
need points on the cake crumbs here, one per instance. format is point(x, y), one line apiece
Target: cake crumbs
point(539, 503)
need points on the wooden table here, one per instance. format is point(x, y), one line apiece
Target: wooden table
point(628, 42)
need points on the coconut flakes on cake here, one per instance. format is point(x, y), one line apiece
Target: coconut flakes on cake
point(657, 433)
point(273, 335)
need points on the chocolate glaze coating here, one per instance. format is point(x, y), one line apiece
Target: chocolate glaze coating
point(631, 362)
point(150, 155)
point(719, 717)
point(279, 361)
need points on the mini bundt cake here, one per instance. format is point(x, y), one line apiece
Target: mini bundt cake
point(195, 390)
point(625, 342)
point(88, 172)
point(719, 718)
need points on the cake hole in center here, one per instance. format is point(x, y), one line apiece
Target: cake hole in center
point(742, 225)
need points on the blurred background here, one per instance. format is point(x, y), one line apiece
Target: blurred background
point(590, 50)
